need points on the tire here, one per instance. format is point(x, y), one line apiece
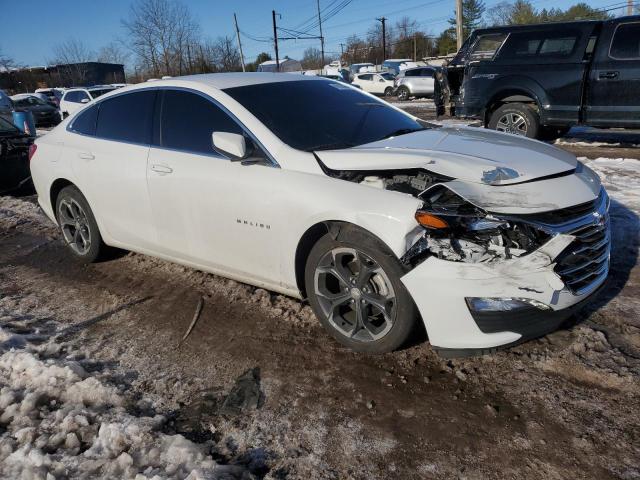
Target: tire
point(78, 225)
point(388, 91)
point(403, 93)
point(338, 287)
point(517, 119)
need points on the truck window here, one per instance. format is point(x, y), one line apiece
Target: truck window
point(626, 42)
point(540, 44)
point(486, 46)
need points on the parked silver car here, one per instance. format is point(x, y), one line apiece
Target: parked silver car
point(415, 82)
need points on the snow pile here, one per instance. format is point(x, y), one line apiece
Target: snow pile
point(57, 421)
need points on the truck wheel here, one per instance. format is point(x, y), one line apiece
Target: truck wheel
point(517, 119)
point(403, 93)
point(354, 288)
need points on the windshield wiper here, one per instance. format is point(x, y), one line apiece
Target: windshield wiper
point(330, 146)
point(402, 131)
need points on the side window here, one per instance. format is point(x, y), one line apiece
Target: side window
point(127, 117)
point(486, 46)
point(626, 42)
point(366, 78)
point(72, 97)
point(82, 96)
point(188, 120)
point(426, 72)
point(86, 121)
point(541, 44)
point(412, 73)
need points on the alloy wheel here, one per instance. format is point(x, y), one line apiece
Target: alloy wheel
point(355, 294)
point(513, 123)
point(75, 226)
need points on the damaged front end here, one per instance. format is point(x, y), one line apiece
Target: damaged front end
point(456, 230)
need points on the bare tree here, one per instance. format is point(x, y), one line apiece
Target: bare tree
point(6, 62)
point(71, 56)
point(113, 53)
point(500, 14)
point(162, 34)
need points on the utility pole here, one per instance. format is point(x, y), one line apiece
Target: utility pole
point(275, 39)
point(415, 46)
point(321, 37)
point(342, 45)
point(459, 33)
point(235, 20)
point(629, 7)
point(384, 37)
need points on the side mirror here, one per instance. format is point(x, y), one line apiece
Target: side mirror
point(230, 144)
point(84, 100)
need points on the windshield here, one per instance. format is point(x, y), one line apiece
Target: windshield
point(29, 101)
point(322, 115)
point(97, 93)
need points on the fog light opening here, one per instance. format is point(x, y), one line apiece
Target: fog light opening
point(508, 304)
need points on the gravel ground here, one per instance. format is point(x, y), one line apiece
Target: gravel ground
point(258, 390)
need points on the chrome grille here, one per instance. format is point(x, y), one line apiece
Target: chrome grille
point(584, 264)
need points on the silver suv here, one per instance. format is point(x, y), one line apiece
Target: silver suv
point(415, 82)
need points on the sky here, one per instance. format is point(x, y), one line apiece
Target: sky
point(30, 41)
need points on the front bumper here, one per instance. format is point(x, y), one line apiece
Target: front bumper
point(440, 287)
point(561, 276)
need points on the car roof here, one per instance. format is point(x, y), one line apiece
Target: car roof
point(220, 81)
point(550, 25)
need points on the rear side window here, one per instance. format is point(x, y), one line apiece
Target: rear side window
point(188, 120)
point(626, 42)
point(366, 77)
point(540, 44)
point(426, 72)
point(412, 73)
point(127, 117)
point(86, 121)
point(486, 46)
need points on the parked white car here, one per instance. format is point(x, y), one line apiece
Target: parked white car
point(376, 83)
point(318, 190)
point(75, 98)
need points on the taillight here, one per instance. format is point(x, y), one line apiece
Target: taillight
point(32, 150)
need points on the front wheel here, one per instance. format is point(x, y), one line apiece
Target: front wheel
point(517, 119)
point(403, 94)
point(78, 225)
point(354, 288)
point(388, 91)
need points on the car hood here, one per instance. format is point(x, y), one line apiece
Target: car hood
point(468, 154)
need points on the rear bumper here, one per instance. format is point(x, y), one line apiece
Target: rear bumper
point(440, 289)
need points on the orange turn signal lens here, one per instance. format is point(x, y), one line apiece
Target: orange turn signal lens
point(430, 221)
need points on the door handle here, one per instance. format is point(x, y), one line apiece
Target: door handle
point(163, 169)
point(86, 156)
point(607, 75)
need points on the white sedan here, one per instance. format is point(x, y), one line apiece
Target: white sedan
point(317, 190)
point(376, 83)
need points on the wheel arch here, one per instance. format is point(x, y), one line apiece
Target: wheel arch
point(314, 233)
point(54, 191)
point(514, 94)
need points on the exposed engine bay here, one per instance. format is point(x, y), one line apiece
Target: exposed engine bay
point(454, 229)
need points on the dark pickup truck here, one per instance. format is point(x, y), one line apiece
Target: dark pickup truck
point(539, 80)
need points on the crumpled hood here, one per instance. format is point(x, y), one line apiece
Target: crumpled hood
point(468, 154)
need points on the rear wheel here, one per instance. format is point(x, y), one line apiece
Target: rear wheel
point(78, 225)
point(353, 284)
point(403, 93)
point(517, 119)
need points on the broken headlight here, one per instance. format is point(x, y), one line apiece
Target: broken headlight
point(456, 230)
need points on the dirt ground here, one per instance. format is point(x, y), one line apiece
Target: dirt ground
point(564, 406)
